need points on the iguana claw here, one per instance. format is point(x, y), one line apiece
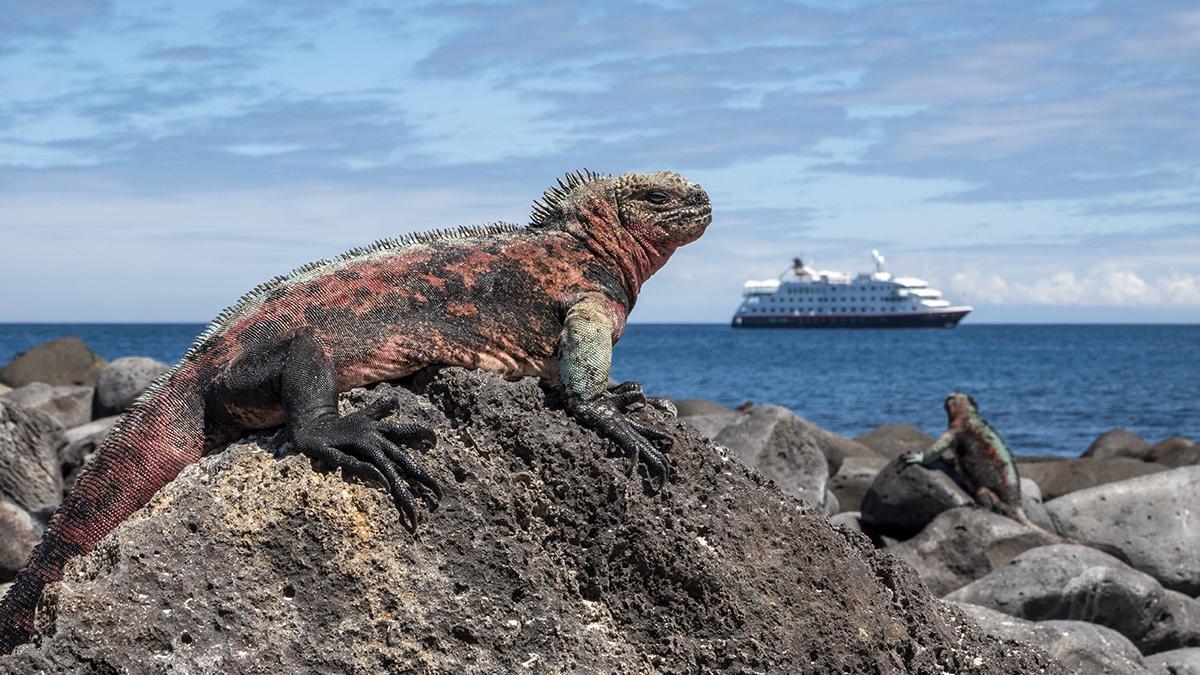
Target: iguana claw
point(606, 414)
point(364, 446)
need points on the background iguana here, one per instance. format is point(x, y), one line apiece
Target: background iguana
point(547, 300)
point(987, 467)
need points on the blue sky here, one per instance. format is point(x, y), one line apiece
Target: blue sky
point(1039, 160)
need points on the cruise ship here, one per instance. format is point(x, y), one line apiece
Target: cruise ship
point(806, 298)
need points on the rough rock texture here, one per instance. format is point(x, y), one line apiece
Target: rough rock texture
point(848, 520)
point(784, 449)
point(62, 361)
point(19, 533)
point(893, 440)
point(853, 480)
point(69, 405)
point(1175, 662)
point(1118, 443)
point(1085, 648)
point(123, 380)
point(905, 498)
point(29, 472)
point(964, 544)
point(1066, 581)
point(690, 407)
point(1061, 477)
point(544, 556)
point(1153, 519)
point(1175, 452)
point(77, 446)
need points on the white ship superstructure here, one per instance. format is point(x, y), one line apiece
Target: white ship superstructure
point(807, 298)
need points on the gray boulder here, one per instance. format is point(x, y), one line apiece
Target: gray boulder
point(905, 498)
point(62, 361)
point(1175, 662)
point(69, 405)
point(20, 531)
point(964, 544)
point(77, 446)
point(1057, 478)
point(29, 471)
point(710, 425)
point(543, 556)
point(785, 449)
point(853, 480)
point(1031, 502)
point(1084, 648)
point(1067, 581)
point(1153, 519)
point(848, 520)
point(1175, 452)
point(893, 440)
point(123, 380)
point(1118, 443)
point(690, 407)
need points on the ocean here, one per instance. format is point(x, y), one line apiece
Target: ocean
point(1048, 389)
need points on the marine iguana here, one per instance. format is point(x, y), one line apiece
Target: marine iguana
point(548, 300)
point(986, 466)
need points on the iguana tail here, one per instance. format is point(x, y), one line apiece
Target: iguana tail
point(146, 449)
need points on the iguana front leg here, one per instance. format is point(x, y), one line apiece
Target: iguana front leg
point(943, 443)
point(299, 373)
point(584, 362)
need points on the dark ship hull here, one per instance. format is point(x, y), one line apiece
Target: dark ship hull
point(919, 320)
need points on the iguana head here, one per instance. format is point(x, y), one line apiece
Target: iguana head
point(635, 219)
point(959, 405)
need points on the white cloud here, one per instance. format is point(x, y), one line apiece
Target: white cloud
point(1102, 285)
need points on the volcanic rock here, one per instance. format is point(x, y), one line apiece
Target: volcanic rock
point(544, 555)
point(77, 446)
point(123, 380)
point(29, 472)
point(69, 405)
point(892, 440)
point(963, 544)
point(63, 361)
point(690, 407)
point(1153, 519)
point(1084, 648)
point(20, 531)
point(1118, 443)
point(1175, 452)
point(1057, 478)
point(1175, 662)
point(1067, 581)
point(904, 498)
point(854, 479)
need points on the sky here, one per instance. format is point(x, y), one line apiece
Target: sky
point(1038, 160)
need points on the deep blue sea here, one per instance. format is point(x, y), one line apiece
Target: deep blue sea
point(1048, 389)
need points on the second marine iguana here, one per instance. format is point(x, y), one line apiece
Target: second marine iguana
point(987, 467)
point(546, 300)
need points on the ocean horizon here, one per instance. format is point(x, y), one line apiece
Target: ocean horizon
point(1049, 389)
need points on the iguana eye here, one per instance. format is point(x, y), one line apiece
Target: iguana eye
point(657, 197)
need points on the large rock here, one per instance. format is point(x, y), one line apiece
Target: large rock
point(1175, 452)
point(543, 556)
point(123, 380)
point(77, 446)
point(62, 361)
point(1061, 477)
point(853, 480)
point(1031, 502)
point(906, 497)
point(1118, 443)
point(1175, 662)
point(785, 449)
point(1084, 648)
point(1080, 583)
point(893, 440)
point(20, 531)
point(1154, 520)
point(29, 471)
point(69, 405)
point(690, 407)
point(964, 544)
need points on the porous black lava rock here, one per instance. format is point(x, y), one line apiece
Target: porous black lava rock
point(63, 361)
point(544, 555)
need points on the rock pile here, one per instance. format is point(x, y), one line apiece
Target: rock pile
point(543, 556)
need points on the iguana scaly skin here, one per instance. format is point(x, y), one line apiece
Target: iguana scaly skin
point(987, 467)
point(547, 300)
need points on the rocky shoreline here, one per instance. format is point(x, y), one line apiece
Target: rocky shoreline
point(777, 547)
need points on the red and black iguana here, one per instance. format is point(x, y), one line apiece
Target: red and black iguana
point(547, 300)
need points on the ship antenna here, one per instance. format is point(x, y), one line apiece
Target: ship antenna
point(879, 259)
